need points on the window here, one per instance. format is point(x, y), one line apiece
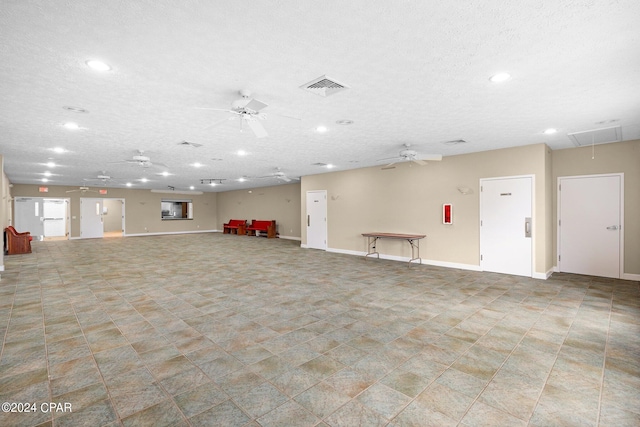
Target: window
point(172, 209)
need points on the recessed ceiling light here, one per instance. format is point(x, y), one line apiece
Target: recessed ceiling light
point(59, 150)
point(47, 173)
point(197, 165)
point(98, 65)
point(213, 184)
point(165, 173)
point(330, 166)
point(500, 77)
point(45, 180)
point(128, 184)
point(51, 165)
point(144, 179)
point(71, 125)
point(344, 122)
point(242, 153)
point(550, 131)
point(321, 129)
point(192, 187)
point(242, 179)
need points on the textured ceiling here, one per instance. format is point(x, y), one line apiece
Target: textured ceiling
point(418, 73)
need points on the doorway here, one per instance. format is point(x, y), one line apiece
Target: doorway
point(590, 221)
point(506, 227)
point(317, 219)
point(101, 218)
point(44, 218)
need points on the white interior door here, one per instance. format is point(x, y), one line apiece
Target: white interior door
point(54, 212)
point(317, 219)
point(506, 228)
point(29, 216)
point(590, 225)
point(91, 225)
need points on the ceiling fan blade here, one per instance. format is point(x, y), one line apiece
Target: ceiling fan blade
point(257, 128)
point(418, 161)
point(219, 122)
point(271, 113)
point(431, 157)
point(217, 109)
point(255, 105)
point(389, 158)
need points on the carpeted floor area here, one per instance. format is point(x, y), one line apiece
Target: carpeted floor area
point(213, 329)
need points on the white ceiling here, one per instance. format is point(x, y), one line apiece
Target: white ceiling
point(418, 73)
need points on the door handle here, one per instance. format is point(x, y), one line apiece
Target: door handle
point(612, 227)
point(308, 220)
point(527, 227)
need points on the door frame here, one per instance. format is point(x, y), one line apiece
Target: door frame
point(67, 219)
point(622, 225)
point(533, 219)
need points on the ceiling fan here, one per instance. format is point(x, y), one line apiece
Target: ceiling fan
point(104, 178)
point(408, 155)
point(141, 160)
point(249, 111)
point(278, 174)
point(82, 190)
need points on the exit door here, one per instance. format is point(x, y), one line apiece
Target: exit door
point(317, 219)
point(506, 226)
point(54, 217)
point(91, 225)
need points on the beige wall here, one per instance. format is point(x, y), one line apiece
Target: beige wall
point(113, 218)
point(142, 208)
point(622, 157)
point(281, 202)
point(409, 198)
point(5, 207)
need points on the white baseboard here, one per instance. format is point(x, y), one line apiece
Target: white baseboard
point(631, 276)
point(290, 238)
point(542, 276)
point(406, 259)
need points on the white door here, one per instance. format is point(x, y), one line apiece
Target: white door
point(317, 219)
point(505, 225)
point(28, 216)
point(54, 212)
point(590, 225)
point(91, 225)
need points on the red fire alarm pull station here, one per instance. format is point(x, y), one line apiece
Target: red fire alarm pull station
point(447, 214)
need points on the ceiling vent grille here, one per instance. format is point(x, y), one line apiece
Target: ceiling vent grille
point(596, 136)
point(324, 86)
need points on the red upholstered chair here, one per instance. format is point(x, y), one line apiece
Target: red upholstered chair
point(17, 243)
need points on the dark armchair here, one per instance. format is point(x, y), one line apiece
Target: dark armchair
point(17, 243)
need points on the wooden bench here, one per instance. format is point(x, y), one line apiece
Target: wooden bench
point(235, 226)
point(17, 243)
point(266, 226)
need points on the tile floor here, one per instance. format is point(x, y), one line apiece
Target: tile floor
point(212, 329)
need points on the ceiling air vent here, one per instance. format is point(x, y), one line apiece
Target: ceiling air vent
point(596, 136)
point(324, 86)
